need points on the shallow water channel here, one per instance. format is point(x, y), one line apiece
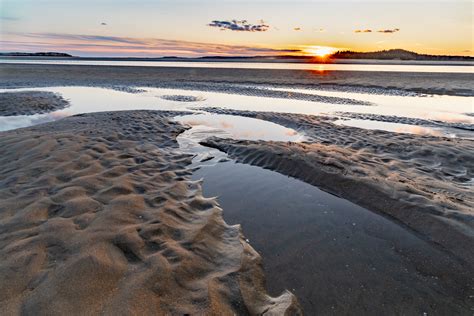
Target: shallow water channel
point(335, 256)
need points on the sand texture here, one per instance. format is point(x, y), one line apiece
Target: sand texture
point(99, 216)
point(423, 182)
point(30, 102)
point(237, 80)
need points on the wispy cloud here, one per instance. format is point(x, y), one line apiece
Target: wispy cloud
point(389, 31)
point(8, 18)
point(240, 26)
point(100, 45)
point(363, 31)
point(297, 29)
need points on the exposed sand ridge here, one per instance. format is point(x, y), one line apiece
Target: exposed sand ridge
point(30, 102)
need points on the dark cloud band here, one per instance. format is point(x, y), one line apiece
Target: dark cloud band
point(386, 31)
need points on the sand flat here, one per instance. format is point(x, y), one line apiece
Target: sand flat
point(99, 215)
point(18, 75)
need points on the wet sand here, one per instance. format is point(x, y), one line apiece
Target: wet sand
point(99, 215)
point(18, 75)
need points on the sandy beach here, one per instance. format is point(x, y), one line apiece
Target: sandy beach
point(254, 212)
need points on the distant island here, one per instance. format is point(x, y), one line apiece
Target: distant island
point(386, 55)
point(396, 54)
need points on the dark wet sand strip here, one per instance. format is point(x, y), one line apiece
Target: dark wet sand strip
point(18, 75)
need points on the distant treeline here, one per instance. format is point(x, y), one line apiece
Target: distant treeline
point(400, 54)
point(41, 54)
point(392, 54)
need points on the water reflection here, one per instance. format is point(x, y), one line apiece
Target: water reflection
point(394, 127)
point(90, 99)
point(328, 251)
point(243, 127)
point(437, 107)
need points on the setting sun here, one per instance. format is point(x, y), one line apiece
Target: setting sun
point(320, 51)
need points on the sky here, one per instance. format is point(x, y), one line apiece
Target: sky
point(262, 27)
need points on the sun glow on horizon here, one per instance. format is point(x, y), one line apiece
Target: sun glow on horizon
point(319, 51)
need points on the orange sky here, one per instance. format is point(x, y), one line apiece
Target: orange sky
point(265, 27)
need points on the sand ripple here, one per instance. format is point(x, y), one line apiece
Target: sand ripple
point(30, 102)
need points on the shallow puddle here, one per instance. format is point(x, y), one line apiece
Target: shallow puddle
point(399, 128)
point(239, 127)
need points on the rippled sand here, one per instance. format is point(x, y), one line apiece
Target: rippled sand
point(99, 215)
